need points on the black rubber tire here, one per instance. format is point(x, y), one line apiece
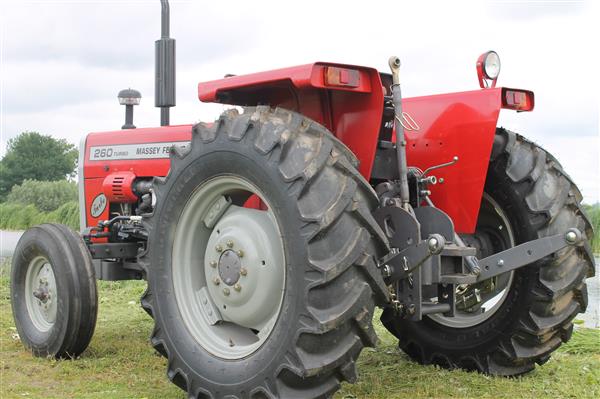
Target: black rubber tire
point(540, 200)
point(75, 285)
point(331, 241)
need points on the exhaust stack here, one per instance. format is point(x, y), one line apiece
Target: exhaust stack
point(164, 86)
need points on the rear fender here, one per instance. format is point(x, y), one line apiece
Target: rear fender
point(463, 124)
point(352, 114)
point(439, 127)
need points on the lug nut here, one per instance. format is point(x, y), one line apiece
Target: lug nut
point(226, 291)
point(240, 253)
point(213, 263)
point(216, 281)
point(243, 271)
point(237, 287)
point(387, 271)
point(229, 243)
point(219, 248)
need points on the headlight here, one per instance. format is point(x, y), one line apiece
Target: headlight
point(491, 65)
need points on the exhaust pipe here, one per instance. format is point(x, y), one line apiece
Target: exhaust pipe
point(164, 67)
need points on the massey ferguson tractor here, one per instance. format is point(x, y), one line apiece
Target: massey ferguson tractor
point(268, 237)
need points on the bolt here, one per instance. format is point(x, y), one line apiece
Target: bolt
point(240, 253)
point(571, 237)
point(213, 263)
point(501, 262)
point(219, 248)
point(432, 244)
point(441, 180)
point(229, 243)
point(387, 271)
point(226, 291)
point(412, 309)
point(216, 281)
point(243, 271)
point(237, 287)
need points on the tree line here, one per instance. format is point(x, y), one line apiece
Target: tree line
point(37, 182)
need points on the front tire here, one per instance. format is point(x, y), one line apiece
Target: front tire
point(53, 291)
point(308, 200)
point(535, 317)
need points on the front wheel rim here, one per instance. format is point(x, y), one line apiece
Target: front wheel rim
point(228, 267)
point(41, 294)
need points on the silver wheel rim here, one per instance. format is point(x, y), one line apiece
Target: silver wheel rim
point(491, 302)
point(40, 293)
point(228, 268)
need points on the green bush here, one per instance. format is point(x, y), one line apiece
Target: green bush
point(593, 212)
point(21, 216)
point(46, 196)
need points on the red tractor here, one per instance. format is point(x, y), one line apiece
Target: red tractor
point(268, 237)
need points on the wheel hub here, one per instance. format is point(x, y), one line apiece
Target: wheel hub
point(244, 263)
point(230, 266)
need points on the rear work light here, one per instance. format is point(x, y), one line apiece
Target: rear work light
point(342, 77)
point(488, 69)
point(519, 100)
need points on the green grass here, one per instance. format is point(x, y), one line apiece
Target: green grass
point(120, 363)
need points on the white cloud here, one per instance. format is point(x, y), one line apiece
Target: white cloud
point(64, 61)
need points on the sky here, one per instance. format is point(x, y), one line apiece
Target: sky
point(62, 63)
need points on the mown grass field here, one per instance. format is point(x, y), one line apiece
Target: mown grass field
point(120, 363)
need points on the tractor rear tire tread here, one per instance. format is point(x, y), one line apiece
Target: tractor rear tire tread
point(334, 203)
point(557, 289)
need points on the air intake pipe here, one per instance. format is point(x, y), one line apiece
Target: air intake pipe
point(164, 52)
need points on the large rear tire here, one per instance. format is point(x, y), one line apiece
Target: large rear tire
point(312, 226)
point(535, 317)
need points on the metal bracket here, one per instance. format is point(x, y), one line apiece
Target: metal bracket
point(116, 270)
point(434, 221)
point(123, 250)
point(400, 227)
point(208, 307)
point(527, 253)
point(217, 209)
point(406, 261)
